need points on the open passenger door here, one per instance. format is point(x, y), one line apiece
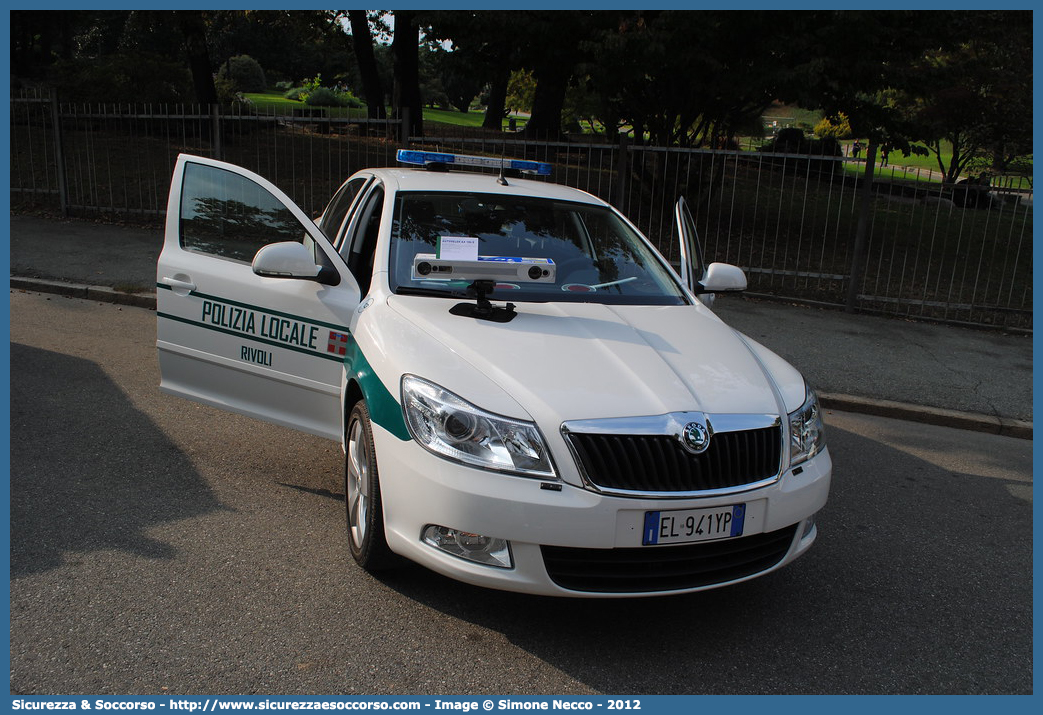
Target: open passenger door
point(703, 280)
point(692, 266)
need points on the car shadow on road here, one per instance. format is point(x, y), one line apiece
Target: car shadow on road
point(920, 582)
point(77, 490)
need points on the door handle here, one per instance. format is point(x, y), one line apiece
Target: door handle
point(181, 287)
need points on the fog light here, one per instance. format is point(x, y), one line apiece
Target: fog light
point(809, 526)
point(486, 550)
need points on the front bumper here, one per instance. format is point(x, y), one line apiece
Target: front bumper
point(596, 533)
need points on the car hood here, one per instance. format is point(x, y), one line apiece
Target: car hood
point(570, 361)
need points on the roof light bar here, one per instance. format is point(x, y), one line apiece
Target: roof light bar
point(423, 158)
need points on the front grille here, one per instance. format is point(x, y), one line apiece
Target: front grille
point(666, 568)
point(658, 463)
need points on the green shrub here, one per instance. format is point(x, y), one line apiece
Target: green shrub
point(314, 94)
point(228, 96)
point(245, 74)
point(325, 97)
point(350, 100)
point(300, 93)
point(838, 127)
point(226, 93)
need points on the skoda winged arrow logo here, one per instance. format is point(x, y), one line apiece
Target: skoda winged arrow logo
point(695, 438)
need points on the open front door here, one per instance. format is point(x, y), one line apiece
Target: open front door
point(267, 346)
point(692, 266)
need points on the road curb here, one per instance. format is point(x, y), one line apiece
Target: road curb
point(102, 294)
point(942, 417)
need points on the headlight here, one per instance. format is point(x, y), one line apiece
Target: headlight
point(455, 429)
point(805, 428)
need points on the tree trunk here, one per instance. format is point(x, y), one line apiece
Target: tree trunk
point(362, 41)
point(405, 48)
point(547, 103)
point(953, 173)
point(194, 30)
point(496, 110)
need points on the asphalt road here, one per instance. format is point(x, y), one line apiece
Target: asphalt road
point(162, 547)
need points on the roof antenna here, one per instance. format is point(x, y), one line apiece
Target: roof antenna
point(502, 180)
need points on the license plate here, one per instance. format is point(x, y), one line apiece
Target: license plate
point(684, 526)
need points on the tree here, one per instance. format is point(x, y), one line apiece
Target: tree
point(289, 45)
point(194, 30)
point(521, 90)
point(39, 38)
point(112, 56)
point(486, 43)
point(975, 101)
point(459, 81)
point(405, 48)
point(431, 70)
point(680, 77)
point(559, 42)
point(139, 48)
point(861, 80)
point(362, 41)
point(548, 44)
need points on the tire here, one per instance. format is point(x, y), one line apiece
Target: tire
point(363, 505)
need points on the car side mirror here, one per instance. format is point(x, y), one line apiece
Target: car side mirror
point(723, 278)
point(290, 259)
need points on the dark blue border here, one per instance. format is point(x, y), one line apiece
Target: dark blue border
point(5, 349)
point(655, 704)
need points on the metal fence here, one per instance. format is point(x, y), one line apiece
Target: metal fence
point(958, 254)
point(116, 160)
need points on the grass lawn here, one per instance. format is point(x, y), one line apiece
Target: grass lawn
point(455, 118)
point(451, 116)
point(271, 100)
point(894, 170)
point(913, 161)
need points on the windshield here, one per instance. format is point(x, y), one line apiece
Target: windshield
point(598, 257)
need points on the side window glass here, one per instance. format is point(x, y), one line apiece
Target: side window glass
point(690, 237)
point(227, 215)
point(363, 244)
point(333, 216)
point(696, 248)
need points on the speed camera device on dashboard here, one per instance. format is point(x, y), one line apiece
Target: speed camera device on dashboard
point(485, 268)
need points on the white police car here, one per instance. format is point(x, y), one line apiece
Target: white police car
point(528, 396)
